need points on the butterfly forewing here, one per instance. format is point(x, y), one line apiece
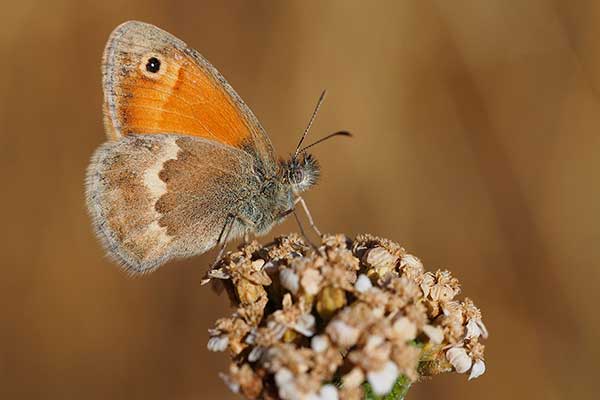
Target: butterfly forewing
point(154, 83)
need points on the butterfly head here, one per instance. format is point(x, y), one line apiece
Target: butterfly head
point(301, 172)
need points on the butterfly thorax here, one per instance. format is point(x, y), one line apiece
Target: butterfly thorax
point(278, 193)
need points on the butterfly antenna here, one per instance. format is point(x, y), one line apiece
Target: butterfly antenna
point(340, 133)
point(312, 118)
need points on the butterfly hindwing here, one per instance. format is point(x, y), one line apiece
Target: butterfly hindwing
point(157, 197)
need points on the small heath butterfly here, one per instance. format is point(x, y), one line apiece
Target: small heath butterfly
point(187, 165)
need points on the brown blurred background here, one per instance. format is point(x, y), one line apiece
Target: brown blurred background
point(476, 139)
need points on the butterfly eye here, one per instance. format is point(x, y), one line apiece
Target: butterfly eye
point(298, 176)
point(153, 65)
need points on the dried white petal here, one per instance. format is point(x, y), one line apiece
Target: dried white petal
point(374, 341)
point(484, 331)
point(289, 280)
point(256, 353)
point(269, 265)
point(286, 302)
point(451, 307)
point(363, 283)
point(427, 283)
point(380, 258)
point(305, 325)
point(460, 360)
point(378, 312)
point(277, 328)
point(441, 292)
point(311, 281)
point(283, 376)
point(354, 378)
point(411, 261)
point(231, 384)
point(205, 281)
point(435, 333)
point(218, 343)
point(319, 343)
point(477, 370)
point(405, 329)
point(473, 330)
point(289, 391)
point(328, 392)
point(258, 264)
point(342, 333)
point(218, 274)
point(382, 381)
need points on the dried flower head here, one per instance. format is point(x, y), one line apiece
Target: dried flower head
point(349, 317)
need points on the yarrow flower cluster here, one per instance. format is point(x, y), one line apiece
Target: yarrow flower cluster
point(336, 321)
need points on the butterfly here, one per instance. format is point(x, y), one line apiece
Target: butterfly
point(187, 166)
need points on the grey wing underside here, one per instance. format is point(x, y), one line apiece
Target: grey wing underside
point(157, 197)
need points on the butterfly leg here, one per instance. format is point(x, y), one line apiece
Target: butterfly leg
point(224, 236)
point(249, 227)
point(314, 246)
point(228, 228)
point(308, 215)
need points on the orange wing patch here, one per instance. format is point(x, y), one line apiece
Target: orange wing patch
point(154, 83)
point(179, 98)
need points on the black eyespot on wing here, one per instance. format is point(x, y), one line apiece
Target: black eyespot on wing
point(153, 65)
